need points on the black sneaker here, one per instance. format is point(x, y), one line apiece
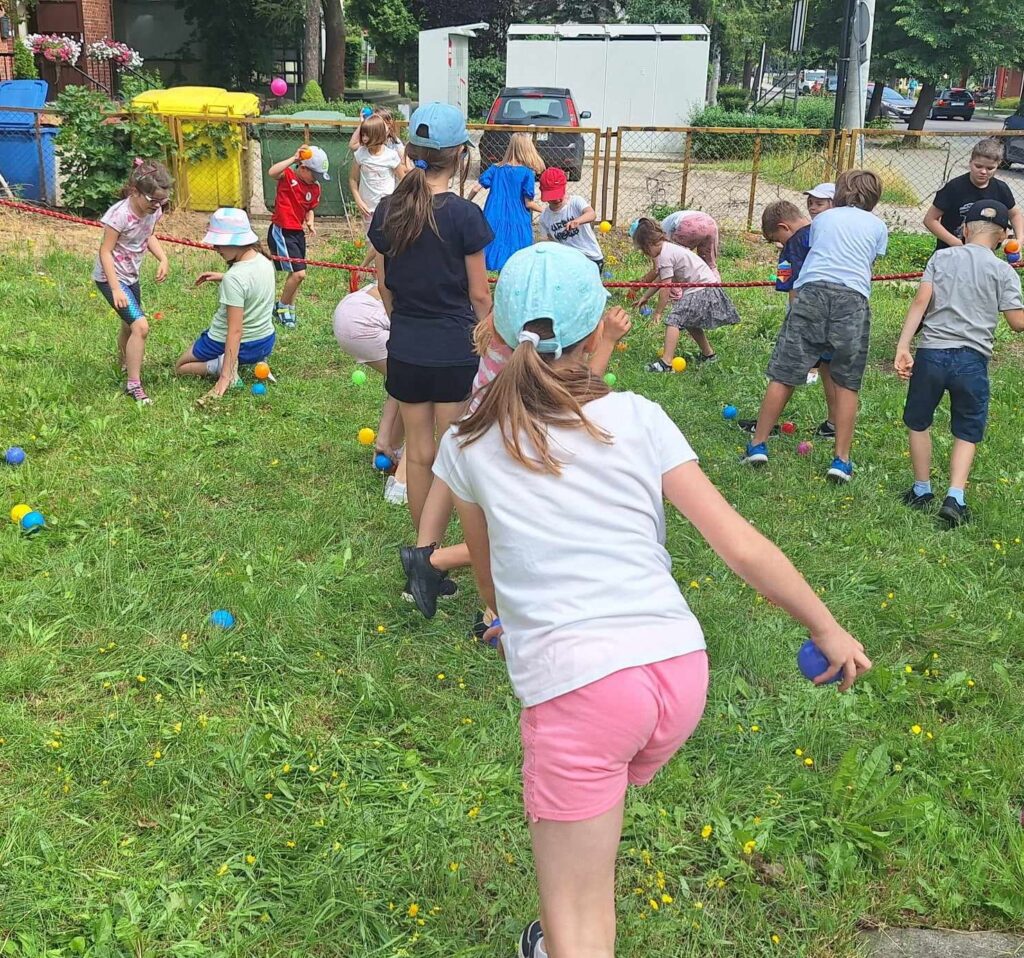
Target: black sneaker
point(750, 425)
point(700, 359)
point(952, 513)
point(658, 366)
point(530, 940)
point(912, 499)
point(423, 581)
point(826, 430)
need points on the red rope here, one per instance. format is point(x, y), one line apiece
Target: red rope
point(354, 271)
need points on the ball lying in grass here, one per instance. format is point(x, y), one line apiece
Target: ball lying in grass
point(610, 379)
point(19, 512)
point(222, 618)
point(258, 389)
point(605, 226)
point(804, 448)
point(32, 521)
point(14, 456)
point(358, 377)
point(261, 371)
point(366, 436)
point(730, 412)
point(678, 364)
point(789, 428)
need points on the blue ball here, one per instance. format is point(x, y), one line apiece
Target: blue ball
point(258, 389)
point(812, 662)
point(32, 520)
point(646, 310)
point(608, 274)
point(382, 462)
point(730, 412)
point(1013, 257)
point(222, 619)
point(14, 456)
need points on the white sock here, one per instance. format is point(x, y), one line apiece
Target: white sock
point(214, 366)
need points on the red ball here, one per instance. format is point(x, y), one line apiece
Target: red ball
point(788, 428)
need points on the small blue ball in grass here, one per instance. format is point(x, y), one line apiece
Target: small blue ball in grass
point(382, 462)
point(32, 520)
point(14, 456)
point(812, 662)
point(222, 619)
point(730, 412)
point(608, 274)
point(258, 389)
point(646, 310)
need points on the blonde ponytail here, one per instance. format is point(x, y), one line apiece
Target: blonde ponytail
point(410, 209)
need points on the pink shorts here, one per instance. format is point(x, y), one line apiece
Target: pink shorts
point(581, 749)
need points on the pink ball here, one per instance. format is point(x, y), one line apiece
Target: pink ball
point(278, 87)
point(803, 448)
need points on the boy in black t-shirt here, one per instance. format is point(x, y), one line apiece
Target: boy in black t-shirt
point(945, 218)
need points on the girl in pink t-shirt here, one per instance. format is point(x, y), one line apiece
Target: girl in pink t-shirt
point(695, 310)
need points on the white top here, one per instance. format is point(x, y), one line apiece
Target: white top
point(583, 580)
point(580, 237)
point(377, 174)
point(677, 264)
point(132, 243)
point(845, 241)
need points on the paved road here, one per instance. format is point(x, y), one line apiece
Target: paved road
point(979, 123)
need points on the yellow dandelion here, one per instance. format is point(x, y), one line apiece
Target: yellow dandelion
point(666, 899)
point(755, 728)
point(757, 819)
point(453, 866)
point(285, 769)
point(694, 584)
point(809, 762)
point(203, 720)
point(705, 832)
point(885, 605)
point(776, 939)
point(250, 859)
point(414, 910)
point(313, 769)
point(698, 905)
point(141, 679)
point(158, 754)
point(798, 752)
point(935, 656)
point(473, 812)
point(695, 925)
point(720, 883)
point(223, 870)
point(928, 735)
point(748, 847)
point(440, 676)
point(176, 728)
point(381, 629)
point(268, 795)
point(654, 905)
point(467, 721)
point(158, 697)
point(289, 844)
point(970, 683)
point(908, 669)
point(337, 848)
point(421, 922)
point(916, 729)
point(897, 767)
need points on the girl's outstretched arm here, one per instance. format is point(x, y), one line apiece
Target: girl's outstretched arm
point(762, 565)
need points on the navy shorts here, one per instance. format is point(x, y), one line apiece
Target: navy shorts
point(963, 373)
point(205, 349)
point(410, 383)
point(133, 310)
point(289, 243)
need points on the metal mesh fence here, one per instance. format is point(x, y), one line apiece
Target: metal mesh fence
point(28, 165)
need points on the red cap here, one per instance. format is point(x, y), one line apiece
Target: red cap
point(552, 184)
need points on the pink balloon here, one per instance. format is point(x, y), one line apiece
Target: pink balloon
point(278, 87)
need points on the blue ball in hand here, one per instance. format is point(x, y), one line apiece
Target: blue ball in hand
point(222, 619)
point(382, 462)
point(646, 310)
point(812, 662)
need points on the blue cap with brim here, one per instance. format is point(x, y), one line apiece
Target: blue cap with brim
point(438, 126)
point(549, 281)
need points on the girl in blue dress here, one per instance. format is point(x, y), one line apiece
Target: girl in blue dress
point(510, 199)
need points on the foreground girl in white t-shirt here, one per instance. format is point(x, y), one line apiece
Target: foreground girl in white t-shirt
point(559, 484)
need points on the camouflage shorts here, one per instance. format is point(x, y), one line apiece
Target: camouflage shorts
point(823, 318)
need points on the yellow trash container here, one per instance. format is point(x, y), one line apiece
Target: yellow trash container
point(211, 142)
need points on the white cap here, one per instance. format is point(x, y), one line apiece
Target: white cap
point(317, 162)
point(823, 191)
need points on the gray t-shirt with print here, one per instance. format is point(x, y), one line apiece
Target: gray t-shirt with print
point(971, 286)
point(580, 237)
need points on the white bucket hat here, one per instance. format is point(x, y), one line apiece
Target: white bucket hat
point(230, 227)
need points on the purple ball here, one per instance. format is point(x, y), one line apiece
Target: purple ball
point(812, 662)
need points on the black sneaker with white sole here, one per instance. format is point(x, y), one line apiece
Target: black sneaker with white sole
point(952, 513)
point(825, 431)
point(750, 425)
point(424, 583)
point(531, 941)
point(915, 501)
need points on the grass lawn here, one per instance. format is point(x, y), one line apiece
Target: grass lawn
point(338, 777)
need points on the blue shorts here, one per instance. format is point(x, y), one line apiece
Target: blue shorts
point(205, 349)
point(133, 310)
point(287, 243)
point(963, 373)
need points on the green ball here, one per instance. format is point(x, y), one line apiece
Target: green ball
point(359, 377)
point(610, 379)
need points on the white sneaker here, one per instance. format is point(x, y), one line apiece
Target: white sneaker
point(395, 492)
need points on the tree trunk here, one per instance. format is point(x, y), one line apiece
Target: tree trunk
point(875, 105)
point(924, 105)
point(334, 50)
point(716, 73)
point(965, 75)
point(748, 70)
point(311, 60)
point(400, 71)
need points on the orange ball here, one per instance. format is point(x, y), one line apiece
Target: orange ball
point(261, 370)
point(305, 153)
point(1011, 246)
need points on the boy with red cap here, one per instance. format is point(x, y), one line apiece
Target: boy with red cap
point(567, 219)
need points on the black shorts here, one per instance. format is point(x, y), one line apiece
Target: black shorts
point(288, 243)
point(415, 384)
point(133, 310)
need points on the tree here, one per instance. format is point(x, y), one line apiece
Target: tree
point(311, 59)
point(658, 11)
point(499, 14)
point(392, 28)
point(572, 11)
point(334, 50)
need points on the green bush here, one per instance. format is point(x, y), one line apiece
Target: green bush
point(132, 84)
point(1008, 103)
point(717, 146)
point(313, 96)
point(24, 62)
point(344, 107)
point(96, 150)
point(816, 112)
point(353, 60)
point(733, 98)
point(486, 78)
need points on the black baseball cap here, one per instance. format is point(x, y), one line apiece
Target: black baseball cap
point(989, 211)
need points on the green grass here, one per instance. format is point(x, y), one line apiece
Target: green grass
point(139, 745)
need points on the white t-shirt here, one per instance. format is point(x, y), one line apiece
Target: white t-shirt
point(580, 237)
point(677, 264)
point(377, 174)
point(131, 245)
point(583, 580)
point(845, 241)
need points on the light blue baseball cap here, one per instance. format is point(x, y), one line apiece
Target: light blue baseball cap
point(438, 126)
point(549, 281)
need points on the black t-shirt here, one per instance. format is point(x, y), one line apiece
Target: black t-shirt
point(432, 319)
point(960, 194)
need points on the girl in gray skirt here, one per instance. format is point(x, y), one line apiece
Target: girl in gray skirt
point(696, 310)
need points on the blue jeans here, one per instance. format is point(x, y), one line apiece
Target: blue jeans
point(963, 373)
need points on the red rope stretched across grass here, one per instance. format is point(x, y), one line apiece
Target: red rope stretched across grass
point(354, 271)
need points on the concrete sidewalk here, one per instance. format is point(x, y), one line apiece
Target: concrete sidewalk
point(927, 943)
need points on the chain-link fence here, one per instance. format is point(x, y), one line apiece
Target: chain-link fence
point(28, 162)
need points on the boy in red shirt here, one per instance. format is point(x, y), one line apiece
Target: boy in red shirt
point(298, 194)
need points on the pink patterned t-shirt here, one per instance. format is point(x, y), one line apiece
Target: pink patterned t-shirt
point(491, 363)
point(130, 248)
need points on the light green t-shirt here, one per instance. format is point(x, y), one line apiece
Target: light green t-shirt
point(249, 284)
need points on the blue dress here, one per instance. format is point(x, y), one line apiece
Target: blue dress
point(505, 210)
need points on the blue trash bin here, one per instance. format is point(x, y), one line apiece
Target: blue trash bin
point(27, 160)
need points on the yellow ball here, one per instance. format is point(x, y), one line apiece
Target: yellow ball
point(19, 512)
point(678, 364)
point(605, 226)
point(366, 436)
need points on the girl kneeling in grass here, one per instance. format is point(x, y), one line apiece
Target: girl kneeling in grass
point(559, 484)
point(242, 330)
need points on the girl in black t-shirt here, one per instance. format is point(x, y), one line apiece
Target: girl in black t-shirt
point(945, 217)
point(433, 281)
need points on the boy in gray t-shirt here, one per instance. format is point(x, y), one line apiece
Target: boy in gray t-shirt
point(567, 219)
point(956, 310)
